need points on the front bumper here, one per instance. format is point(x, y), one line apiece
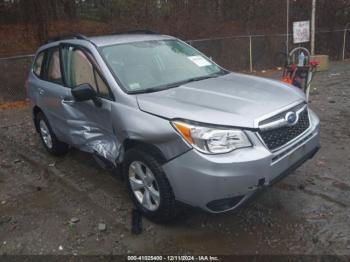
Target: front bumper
point(218, 183)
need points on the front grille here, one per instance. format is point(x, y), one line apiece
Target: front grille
point(280, 136)
point(282, 114)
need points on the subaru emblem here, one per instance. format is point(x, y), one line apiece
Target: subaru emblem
point(291, 118)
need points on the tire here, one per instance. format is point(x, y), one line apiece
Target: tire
point(48, 138)
point(161, 211)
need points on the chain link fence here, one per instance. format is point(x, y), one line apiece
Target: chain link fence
point(236, 53)
point(259, 52)
point(14, 71)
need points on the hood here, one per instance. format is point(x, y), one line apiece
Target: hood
point(230, 100)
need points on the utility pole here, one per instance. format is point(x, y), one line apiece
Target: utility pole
point(313, 19)
point(287, 40)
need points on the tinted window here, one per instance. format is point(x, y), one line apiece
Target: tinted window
point(54, 69)
point(37, 67)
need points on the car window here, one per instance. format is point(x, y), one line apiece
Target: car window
point(79, 69)
point(54, 69)
point(82, 70)
point(37, 67)
point(102, 87)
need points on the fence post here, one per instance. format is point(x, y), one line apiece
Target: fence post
point(313, 30)
point(287, 40)
point(344, 43)
point(250, 54)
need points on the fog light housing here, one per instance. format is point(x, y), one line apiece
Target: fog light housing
point(224, 204)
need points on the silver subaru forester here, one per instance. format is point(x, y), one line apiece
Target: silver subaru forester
point(180, 128)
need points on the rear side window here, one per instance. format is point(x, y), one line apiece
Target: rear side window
point(38, 64)
point(54, 69)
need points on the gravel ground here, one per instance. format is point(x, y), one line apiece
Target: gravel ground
point(54, 205)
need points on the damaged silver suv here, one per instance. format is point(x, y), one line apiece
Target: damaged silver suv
point(183, 129)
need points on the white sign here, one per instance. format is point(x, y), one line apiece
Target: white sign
point(200, 61)
point(301, 32)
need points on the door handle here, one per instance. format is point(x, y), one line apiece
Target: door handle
point(68, 101)
point(41, 91)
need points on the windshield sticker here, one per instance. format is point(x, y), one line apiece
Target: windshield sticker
point(134, 86)
point(199, 60)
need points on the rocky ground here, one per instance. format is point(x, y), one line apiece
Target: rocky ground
point(69, 205)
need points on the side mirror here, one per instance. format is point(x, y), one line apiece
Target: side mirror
point(85, 92)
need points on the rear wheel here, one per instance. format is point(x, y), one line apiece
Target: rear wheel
point(48, 138)
point(148, 186)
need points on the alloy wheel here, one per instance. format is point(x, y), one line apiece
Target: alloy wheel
point(144, 185)
point(45, 134)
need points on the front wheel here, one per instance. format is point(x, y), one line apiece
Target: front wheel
point(50, 142)
point(148, 186)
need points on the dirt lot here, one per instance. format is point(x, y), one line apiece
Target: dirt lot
point(307, 212)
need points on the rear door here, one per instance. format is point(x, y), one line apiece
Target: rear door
point(51, 91)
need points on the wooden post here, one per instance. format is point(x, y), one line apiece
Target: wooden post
point(344, 43)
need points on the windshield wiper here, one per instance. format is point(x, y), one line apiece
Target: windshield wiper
point(194, 79)
point(177, 84)
point(148, 90)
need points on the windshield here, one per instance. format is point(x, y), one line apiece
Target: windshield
point(157, 65)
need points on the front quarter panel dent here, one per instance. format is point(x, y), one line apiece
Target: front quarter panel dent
point(131, 123)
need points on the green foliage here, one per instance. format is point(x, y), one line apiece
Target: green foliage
point(185, 18)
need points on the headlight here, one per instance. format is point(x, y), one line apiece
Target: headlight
point(212, 140)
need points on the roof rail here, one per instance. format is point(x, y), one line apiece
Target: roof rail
point(138, 31)
point(74, 36)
